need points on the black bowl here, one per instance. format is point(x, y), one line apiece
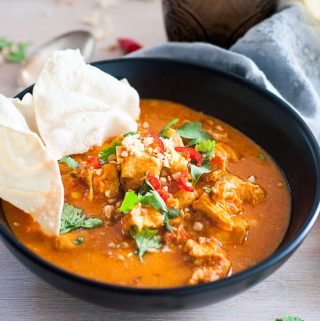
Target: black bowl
point(260, 115)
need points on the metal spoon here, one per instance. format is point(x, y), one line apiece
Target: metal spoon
point(82, 40)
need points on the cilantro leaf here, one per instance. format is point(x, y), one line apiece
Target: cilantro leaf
point(69, 161)
point(78, 240)
point(130, 134)
point(196, 172)
point(129, 202)
point(206, 147)
point(4, 43)
point(106, 152)
point(171, 213)
point(147, 239)
point(153, 199)
point(73, 219)
point(261, 156)
point(289, 318)
point(18, 55)
point(167, 126)
point(194, 132)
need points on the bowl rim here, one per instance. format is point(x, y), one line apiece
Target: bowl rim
point(268, 262)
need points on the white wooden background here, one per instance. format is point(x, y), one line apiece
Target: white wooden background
point(294, 289)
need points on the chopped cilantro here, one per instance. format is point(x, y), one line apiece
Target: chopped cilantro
point(146, 239)
point(129, 202)
point(69, 161)
point(194, 132)
point(171, 213)
point(4, 43)
point(206, 147)
point(289, 318)
point(106, 152)
point(73, 219)
point(261, 156)
point(167, 126)
point(78, 240)
point(130, 134)
point(153, 199)
point(19, 54)
point(196, 173)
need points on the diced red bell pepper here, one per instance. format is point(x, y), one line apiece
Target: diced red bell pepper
point(156, 140)
point(94, 162)
point(191, 153)
point(128, 45)
point(154, 181)
point(182, 181)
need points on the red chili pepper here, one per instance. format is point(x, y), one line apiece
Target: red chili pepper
point(218, 160)
point(164, 195)
point(182, 180)
point(191, 153)
point(128, 45)
point(156, 140)
point(94, 162)
point(154, 181)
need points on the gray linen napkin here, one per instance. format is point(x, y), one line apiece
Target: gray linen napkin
point(281, 54)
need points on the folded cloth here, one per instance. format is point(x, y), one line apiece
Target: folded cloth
point(281, 54)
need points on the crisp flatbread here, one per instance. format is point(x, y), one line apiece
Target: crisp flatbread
point(29, 175)
point(78, 106)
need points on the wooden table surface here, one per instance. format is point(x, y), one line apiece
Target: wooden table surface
point(294, 289)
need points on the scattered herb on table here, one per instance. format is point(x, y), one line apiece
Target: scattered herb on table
point(69, 161)
point(72, 219)
point(13, 52)
point(289, 318)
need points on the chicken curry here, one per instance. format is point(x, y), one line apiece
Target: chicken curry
point(186, 199)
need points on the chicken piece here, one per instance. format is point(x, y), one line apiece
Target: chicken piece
point(134, 168)
point(236, 236)
point(207, 250)
point(173, 202)
point(227, 151)
point(142, 217)
point(177, 163)
point(251, 193)
point(108, 182)
point(176, 139)
point(214, 211)
point(210, 260)
point(185, 198)
point(203, 275)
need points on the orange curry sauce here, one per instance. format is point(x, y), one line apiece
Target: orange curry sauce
point(107, 254)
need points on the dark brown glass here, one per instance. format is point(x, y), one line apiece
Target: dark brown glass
point(220, 22)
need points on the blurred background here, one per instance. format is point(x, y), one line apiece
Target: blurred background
point(144, 22)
